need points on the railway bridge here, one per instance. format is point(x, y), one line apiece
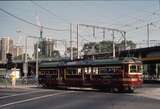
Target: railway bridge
point(150, 57)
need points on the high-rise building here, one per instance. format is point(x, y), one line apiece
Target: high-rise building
point(6, 46)
point(46, 47)
point(17, 51)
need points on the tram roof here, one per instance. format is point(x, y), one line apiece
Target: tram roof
point(82, 63)
point(115, 61)
point(51, 64)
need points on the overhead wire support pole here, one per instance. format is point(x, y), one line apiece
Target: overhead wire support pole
point(94, 31)
point(77, 43)
point(113, 45)
point(37, 60)
point(125, 43)
point(71, 50)
point(104, 33)
point(108, 29)
point(25, 67)
point(148, 35)
point(124, 38)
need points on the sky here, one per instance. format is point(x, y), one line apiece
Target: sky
point(127, 15)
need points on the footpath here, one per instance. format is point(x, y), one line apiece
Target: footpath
point(19, 83)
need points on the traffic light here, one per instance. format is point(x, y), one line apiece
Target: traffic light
point(10, 63)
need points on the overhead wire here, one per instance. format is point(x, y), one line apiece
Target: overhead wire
point(53, 14)
point(48, 11)
point(142, 26)
point(134, 23)
point(28, 22)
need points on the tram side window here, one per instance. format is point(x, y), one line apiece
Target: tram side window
point(133, 68)
point(71, 71)
point(139, 69)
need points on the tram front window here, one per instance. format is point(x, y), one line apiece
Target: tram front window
point(133, 68)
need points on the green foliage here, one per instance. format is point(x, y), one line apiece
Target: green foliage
point(55, 54)
point(106, 46)
point(74, 51)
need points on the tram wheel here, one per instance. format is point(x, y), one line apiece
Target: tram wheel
point(131, 89)
point(114, 90)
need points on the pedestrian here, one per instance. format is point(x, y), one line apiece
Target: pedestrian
point(13, 78)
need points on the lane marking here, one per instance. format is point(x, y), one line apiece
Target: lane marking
point(23, 94)
point(35, 98)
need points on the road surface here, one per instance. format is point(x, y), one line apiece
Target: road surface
point(147, 97)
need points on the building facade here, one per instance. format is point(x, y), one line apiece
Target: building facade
point(6, 46)
point(46, 48)
point(17, 51)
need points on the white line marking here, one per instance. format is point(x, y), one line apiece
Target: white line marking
point(35, 98)
point(22, 94)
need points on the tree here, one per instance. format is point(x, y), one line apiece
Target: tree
point(93, 47)
point(74, 51)
point(129, 45)
point(106, 46)
point(89, 48)
point(55, 54)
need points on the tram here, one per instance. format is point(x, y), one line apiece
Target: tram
point(115, 74)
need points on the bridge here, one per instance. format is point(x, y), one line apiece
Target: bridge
point(151, 60)
point(150, 57)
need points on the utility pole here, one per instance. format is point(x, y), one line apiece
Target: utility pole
point(65, 44)
point(125, 43)
point(148, 35)
point(36, 53)
point(94, 31)
point(108, 29)
point(71, 50)
point(124, 38)
point(37, 50)
point(77, 43)
point(37, 60)
point(25, 65)
point(103, 33)
point(113, 45)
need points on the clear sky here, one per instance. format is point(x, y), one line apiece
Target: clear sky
point(127, 15)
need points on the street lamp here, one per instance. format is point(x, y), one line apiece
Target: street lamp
point(37, 50)
point(25, 66)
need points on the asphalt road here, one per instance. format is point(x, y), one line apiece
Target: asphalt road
point(147, 97)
